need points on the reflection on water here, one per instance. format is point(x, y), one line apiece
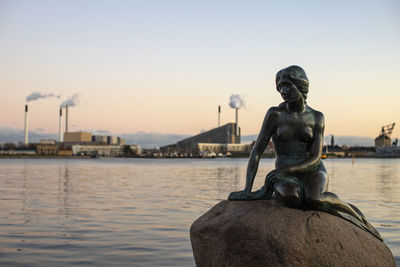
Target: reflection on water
point(138, 211)
point(386, 179)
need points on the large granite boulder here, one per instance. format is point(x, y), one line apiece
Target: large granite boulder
point(264, 233)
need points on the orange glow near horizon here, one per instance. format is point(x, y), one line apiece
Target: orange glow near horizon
point(147, 70)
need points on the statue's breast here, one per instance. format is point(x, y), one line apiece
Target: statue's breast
point(306, 134)
point(284, 132)
point(297, 132)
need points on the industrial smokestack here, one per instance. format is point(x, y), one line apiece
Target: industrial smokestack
point(237, 121)
point(219, 115)
point(236, 102)
point(26, 125)
point(66, 118)
point(60, 139)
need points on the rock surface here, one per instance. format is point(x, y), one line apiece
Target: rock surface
point(264, 233)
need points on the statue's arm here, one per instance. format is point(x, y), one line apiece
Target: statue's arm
point(262, 141)
point(315, 151)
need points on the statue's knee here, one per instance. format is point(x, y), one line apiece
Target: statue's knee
point(289, 195)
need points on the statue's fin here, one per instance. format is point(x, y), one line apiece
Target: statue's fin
point(363, 225)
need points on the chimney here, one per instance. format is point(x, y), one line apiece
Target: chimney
point(60, 139)
point(219, 116)
point(237, 121)
point(26, 125)
point(66, 118)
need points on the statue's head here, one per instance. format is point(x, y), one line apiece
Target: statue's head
point(294, 75)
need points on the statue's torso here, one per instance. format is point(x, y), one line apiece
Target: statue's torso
point(293, 136)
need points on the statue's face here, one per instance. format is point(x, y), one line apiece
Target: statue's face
point(289, 92)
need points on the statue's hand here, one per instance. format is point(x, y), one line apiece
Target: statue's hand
point(239, 195)
point(272, 177)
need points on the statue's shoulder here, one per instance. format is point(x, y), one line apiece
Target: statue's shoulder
point(318, 115)
point(274, 111)
point(277, 109)
point(315, 112)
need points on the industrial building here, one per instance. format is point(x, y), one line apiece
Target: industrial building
point(226, 134)
point(133, 149)
point(224, 149)
point(75, 143)
point(108, 140)
point(47, 147)
point(98, 150)
point(77, 137)
point(83, 143)
point(88, 138)
point(104, 150)
point(383, 140)
point(215, 140)
point(112, 140)
point(383, 143)
point(99, 139)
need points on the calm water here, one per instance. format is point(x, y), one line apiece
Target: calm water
point(138, 211)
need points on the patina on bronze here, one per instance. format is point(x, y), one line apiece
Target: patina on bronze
point(299, 179)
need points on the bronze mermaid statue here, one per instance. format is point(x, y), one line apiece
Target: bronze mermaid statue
point(299, 179)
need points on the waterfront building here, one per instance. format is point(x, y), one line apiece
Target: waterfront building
point(214, 139)
point(383, 141)
point(99, 139)
point(47, 147)
point(334, 150)
point(98, 150)
point(77, 137)
point(133, 149)
point(65, 152)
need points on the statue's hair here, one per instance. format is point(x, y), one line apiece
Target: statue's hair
point(296, 75)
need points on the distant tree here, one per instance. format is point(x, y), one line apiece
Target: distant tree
point(32, 146)
point(128, 150)
point(9, 146)
point(21, 144)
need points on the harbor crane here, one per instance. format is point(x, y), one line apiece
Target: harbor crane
point(387, 130)
point(384, 145)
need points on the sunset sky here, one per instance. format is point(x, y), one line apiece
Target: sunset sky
point(165, 66)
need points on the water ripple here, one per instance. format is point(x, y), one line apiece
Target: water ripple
point(138, 211)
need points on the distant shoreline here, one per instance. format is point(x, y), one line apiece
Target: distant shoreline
point(88, 157)
point(42, 157)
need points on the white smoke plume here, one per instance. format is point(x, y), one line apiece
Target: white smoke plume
point(236, 101)
point(72, 101)
point(37, 95)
